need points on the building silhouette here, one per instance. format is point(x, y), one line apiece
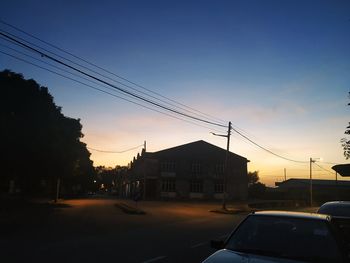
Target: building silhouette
point(191, 171)
point(323, 190)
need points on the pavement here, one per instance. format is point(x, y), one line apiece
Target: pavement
point(114, 230)
point(96, 230)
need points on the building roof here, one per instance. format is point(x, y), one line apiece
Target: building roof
point(342, 169)
point(195, 150)
point(315, 182)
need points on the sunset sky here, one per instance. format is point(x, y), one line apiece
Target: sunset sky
point(279, 70)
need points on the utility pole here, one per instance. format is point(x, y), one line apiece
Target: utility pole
point(226, 162)
point(285, 174)
point(226, 165)
point(311, 161)
point(336, 178)
point(144, 170)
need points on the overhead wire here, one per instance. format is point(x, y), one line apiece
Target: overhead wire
point(61, 69)
point(133, 95)
point(108, 93)
point(16, 43)
point(324, 169)
point(192, 110)
point(329, 163)
point(52, 65)
point(12, 38)
point(265, 149)
point(124, 151)
point(109, 84)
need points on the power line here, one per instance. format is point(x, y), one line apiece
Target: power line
point(104, 151)
point(54, 66)
point(105, 70)
point(108, 93)
point(77, 64)
point(324, 169)
point(267, 150)
point(116, 87)
point(61, 69)
point(111, 85)
point(330, 163)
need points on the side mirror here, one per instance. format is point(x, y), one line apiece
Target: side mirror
point(217, 244)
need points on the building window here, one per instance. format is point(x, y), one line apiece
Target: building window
point(219, 187)
point(196, 186)
point(168, 185)
point(167, 166)
point(196, 168)
point(219, 170)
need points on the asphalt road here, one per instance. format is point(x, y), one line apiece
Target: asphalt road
point(94, 230)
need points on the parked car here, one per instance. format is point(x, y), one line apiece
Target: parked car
point(336, 209)
point(340, 212)
point(286, 237)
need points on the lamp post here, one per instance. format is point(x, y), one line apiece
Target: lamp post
point(226, 162)
point(312, 160)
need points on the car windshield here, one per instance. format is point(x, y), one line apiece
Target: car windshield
point(335, 210)
point(293, 238)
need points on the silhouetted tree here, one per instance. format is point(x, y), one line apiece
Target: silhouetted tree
point(39, 142)
point(256, 189)
point(346, 142)
point(253, 177)
point(107, 176)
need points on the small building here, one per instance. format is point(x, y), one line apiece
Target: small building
point(190, 171)
point(322, 190)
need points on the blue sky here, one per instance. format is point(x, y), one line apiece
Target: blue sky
point(279, 70)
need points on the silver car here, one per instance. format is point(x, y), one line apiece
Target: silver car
point(277, 236)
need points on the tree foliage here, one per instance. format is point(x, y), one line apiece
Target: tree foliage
point(345, 142)
point(109, 179)
point(256, 189)
point(253, 177)
point(39, 142)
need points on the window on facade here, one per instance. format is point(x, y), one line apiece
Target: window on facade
point(196, 186)
point(219, 170)
point(196, 168)
point(168, 185)
point(167, 166)
point(219, 186)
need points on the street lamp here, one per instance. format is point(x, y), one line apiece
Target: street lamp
point(312, 160)
point(226, 162)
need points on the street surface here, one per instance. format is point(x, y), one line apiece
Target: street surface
point(95, 230)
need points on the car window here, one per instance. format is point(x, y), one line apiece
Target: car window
point(293, 238)
point(335, 210)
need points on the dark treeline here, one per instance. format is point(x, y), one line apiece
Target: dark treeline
point(109, 180)
point(39, 144)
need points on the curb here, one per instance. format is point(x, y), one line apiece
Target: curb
point(129, 209)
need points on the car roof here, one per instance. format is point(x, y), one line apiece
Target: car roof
point(337, 203)
point(302, 215)
point(338, 209)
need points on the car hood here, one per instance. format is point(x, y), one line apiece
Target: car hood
point(225, 256)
